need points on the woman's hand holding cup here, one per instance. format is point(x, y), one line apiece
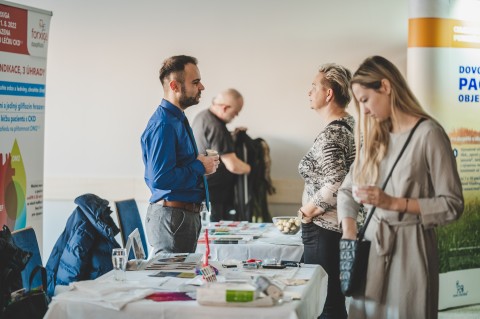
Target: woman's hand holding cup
point(362, 195)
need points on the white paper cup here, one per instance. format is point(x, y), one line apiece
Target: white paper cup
point(355, 189)
point(211, 152)
point(359, 198)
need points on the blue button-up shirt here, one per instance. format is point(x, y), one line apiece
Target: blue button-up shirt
point(172, 171)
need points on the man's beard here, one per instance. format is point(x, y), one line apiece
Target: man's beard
point(186, 101)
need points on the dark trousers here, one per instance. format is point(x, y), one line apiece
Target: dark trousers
point(221, 200)
point(220, 211)
point(321, 247)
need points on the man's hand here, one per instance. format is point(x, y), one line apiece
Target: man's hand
point(238, 130)
point(210, 163)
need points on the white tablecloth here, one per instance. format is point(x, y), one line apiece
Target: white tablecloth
point(74, 304)
point(272, 244)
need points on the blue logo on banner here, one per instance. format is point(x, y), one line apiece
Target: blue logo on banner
point(22, 89)
point(460, 290)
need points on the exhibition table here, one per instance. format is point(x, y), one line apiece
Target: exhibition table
point(271, 243)
point(91, 303)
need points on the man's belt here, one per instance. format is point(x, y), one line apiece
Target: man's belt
point(191, 207)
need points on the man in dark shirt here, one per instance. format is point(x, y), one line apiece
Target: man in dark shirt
point(174, 170)
point(210, 130)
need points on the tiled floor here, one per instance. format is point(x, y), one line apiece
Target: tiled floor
point(470, 312)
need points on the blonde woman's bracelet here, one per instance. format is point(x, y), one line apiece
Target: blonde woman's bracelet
point(406, 206)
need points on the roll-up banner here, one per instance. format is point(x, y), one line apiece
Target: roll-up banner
point(24, 35)
point(443, 70)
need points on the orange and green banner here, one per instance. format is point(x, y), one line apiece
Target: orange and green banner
point(443, 33)
point(443, 69)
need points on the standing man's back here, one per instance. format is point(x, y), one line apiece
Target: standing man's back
point(174, 171)
point(210, 129)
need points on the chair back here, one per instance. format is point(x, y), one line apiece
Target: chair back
point(26, 239)
point(129, 219)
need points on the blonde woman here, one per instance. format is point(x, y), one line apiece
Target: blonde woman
point(424, 192)
point(323, 168)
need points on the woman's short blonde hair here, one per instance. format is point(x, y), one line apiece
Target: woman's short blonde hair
point(337, 78)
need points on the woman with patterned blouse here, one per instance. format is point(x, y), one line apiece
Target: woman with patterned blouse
point(323, 168)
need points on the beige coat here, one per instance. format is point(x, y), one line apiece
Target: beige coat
point(402, 278)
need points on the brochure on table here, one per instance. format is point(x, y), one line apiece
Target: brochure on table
point(233, 232)
point(135, 242)
point(167, 261)
point(161, 260)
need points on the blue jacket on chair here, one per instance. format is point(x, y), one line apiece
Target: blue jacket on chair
point(84, 249)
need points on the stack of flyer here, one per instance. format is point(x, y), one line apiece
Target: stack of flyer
point(160, 261)
point(231, 294)
point(169, 261)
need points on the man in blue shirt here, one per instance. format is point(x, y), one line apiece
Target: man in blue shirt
point(174, 171)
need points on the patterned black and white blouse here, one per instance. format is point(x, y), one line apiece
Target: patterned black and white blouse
point(325, 166)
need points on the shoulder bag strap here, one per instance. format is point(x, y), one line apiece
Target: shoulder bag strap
point(43, 273)
point(361, 233)
point(342, 123)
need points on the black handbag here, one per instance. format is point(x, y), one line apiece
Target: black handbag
point(11, 256)
point(354, 252)
point(12, 261)
point(31, 304)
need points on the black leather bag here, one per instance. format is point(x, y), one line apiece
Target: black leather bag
point(353, 265)
point(354, 252)
point(12, 262)
point(32, 304)
point(354, 260)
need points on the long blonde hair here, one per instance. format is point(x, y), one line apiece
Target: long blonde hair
point(375, 135)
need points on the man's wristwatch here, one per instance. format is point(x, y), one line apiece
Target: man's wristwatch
point(304, 219)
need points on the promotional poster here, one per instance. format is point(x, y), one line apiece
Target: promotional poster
point(444, 73)
point(24, 36)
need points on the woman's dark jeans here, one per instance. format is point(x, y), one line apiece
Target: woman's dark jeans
point(321, 247)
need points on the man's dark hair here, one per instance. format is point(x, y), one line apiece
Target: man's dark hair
point(175, 64)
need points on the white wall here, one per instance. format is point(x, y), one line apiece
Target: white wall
point(102, 78)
